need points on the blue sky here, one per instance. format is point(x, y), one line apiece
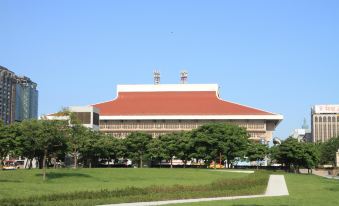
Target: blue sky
point(280, 56)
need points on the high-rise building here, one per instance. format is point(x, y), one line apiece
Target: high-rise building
point(18, 97)
point(26, 99)
point(7, 95)
point(325, 122)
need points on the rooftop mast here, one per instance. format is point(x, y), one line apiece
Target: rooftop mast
point(183, 77)
point(156, 76)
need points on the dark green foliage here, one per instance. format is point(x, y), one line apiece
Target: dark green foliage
point(27, 143)
point(328, 151)
point(8, 134)
point(184, 147)
point(256, 151)
point(170, 145)
point(294, 154)
point(212, 140)
point(136, 146)
point(156, 151)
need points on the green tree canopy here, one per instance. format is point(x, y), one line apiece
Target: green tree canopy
point(27, 142)
point(8, 135)
point(184, 146)
point(328, 151)
point(136, 146)
point(51, 138)
point(156, 150)
point(294, 154)
point(257, 152)
point(212, 140)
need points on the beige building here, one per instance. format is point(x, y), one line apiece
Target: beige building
point(88, 116)
point(325, 122)
point(164, 108)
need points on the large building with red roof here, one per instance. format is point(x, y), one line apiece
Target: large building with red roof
point(162, 108)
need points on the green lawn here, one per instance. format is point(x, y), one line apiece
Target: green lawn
point(305, 190)
point(29, 182)
point(99, 186)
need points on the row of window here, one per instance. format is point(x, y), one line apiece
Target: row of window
point(324, 131)
point(253, 135)
point(172, 125)
point(326, 119)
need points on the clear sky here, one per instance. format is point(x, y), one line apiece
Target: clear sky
point(280, 56)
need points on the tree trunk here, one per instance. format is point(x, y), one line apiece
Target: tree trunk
point(140, 161)
point(26, 163)
point(44, 165)
point(185, 162)
point(30, 164)
point(215, 164)
point(220, 160)
point(171, 163)
point(40, 162)
point(75, 156)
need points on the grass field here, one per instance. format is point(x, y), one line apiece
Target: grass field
point(305, 190)
point(121, 185)
point(96, 186)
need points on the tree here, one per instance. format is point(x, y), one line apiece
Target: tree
point(156, 150)
point(76, 134)
point(26, 143)
point(294, 154)
point(328, 151)
point(205, 142)
point(184, 147)
point(76, 140)
point(136, 146)
point(257, 152)
point(234, 143)
point(51, 138)
point(289, 153)
point(213, 140)
point(8, 134)
point(170, 145)
point(311, 156)
point(90, 150)
point(109, 148)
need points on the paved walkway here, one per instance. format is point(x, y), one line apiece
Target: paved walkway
point(322, 173)
point(234, 171)
point(276, 187)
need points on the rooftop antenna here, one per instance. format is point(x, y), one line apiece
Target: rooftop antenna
point(156, 76)
point(183, 77)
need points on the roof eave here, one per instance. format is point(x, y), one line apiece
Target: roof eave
point(276, 117)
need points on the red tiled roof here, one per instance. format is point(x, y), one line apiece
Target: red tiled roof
point(173, 103)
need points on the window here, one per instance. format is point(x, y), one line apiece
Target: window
point(95, 118)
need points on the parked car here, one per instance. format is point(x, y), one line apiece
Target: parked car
point(10, 165)
point(217, 166)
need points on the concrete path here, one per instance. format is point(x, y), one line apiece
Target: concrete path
point(234, 171)
point(321, 173)
point(276, 187)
